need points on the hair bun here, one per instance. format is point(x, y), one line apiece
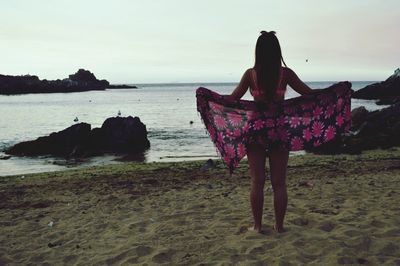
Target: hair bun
point(267, 32)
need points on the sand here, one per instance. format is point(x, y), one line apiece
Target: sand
point(176, 214)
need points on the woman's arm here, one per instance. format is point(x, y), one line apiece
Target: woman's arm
point(295, 83)
point(242, 86)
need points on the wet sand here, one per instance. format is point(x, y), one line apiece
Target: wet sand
point(174, 213)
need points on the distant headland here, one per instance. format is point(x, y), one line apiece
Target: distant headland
point(82, 80)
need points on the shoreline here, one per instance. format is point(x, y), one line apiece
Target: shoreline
point(177, 214)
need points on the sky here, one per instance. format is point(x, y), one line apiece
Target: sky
point(131, 41)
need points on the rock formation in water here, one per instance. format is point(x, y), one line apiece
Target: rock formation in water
point(387, 92)
point(120, 135)
point(83, 80)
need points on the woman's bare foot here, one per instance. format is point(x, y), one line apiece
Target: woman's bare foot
point(255, 229)
point(279, 230)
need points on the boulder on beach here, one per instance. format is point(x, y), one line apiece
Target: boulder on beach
point(57, 143)
point(120, 134)
point(387, 92)
point(125, 135)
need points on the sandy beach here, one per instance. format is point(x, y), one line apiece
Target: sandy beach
point(176, 214)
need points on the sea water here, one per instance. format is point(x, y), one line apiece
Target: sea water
point(166, 109)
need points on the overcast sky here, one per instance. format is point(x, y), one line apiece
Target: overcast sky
point(129, 41)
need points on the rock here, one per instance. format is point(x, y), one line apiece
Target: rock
point(208, 165)
point(58, 143)
point(388, 101)
point(5, 157)
point(121, 86)
point(82, 80)
point(385, 91)
point(358, 115)
point(127, 135)
point(119, 134)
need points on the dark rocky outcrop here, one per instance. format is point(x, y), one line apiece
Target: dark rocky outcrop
point(121, 135)
point(370, 130)
point(83, 80)
point(387, 92)
point(121, 86)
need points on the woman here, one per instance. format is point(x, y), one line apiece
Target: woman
point(267, 81)
point(271, 126)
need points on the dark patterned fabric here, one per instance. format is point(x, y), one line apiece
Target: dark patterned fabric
point(299, 123)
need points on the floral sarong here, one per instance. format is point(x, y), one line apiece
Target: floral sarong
point(299, 123)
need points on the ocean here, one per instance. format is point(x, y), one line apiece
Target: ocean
point(165, 109)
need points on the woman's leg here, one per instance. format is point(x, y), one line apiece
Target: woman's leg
point(256, 155)
point(278, 159)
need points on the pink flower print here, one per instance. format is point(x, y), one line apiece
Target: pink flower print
point(246, 128)
point(227, 160)
point(272, 134)
point(316, 143)
point(216, 108)
point(235, 163)
point(220, 138)
point(211, 131)
point(219, 122)
point(347, 112)
point(241, 150)
point(306, 119)
point(330, 133)
point(230, 151)
point(339, 120)
point(235, 119)
point(281, 121)
point(317, 112)
point(294, 121)
point(229, 134)
point(282, 134)
point(237, 132)
point(329, 111)
point(339, 104)
point(297, 144)
point(307, 134)
point(270, 122)
point(317, 128)
point(258, 124)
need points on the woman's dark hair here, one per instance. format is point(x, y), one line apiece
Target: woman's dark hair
point(268, 62)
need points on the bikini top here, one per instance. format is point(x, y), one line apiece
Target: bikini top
point(256, 92)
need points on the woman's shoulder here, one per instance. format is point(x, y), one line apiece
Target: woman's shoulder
point(288, 73)
point(286, 69)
